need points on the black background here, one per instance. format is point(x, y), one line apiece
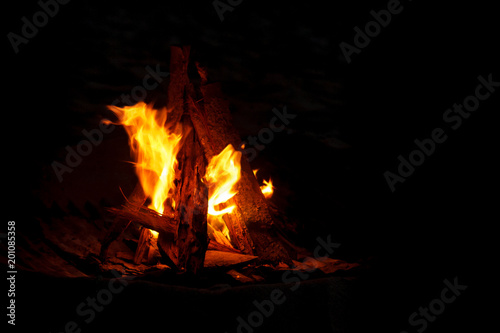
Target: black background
point(438, 224)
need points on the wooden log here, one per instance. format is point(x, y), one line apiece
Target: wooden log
point(179, 60)
point(186, 251)
point(240, 237)
point(221, 247)
point(183, 236)
point(148, 218)
point(251, 223)
point(146, 247)
point(182, 93)
point(134, 201)
point(227, 259)
point(192, 240)
point(142, 245)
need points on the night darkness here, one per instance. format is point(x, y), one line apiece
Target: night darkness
point(356, 118)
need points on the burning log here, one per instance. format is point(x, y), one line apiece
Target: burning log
point(187, 250)
point(148, 218)
point(182, 238)
point(250, 225)
point(197, 132)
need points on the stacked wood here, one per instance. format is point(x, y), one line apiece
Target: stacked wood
point(207, 129)
point(182, 238)
point(251, 223)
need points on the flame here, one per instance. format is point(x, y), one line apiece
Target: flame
point(267, 189)
point(222, 174)
point(154, 148)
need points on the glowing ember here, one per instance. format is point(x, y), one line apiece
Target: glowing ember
point(154, 149)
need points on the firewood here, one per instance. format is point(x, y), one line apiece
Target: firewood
point(179, 59)
point(142, 245)
point(134, 201)
point(187, 251)
point(183, 245)
point(251, 223)
point(148, 218)
point(239, 276)
point(220, 247)
point(226, 259)
point(208, 132)
point(207, 126)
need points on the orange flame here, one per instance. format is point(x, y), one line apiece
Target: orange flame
point(154, 149)
point(222, 174)
point(267, 189)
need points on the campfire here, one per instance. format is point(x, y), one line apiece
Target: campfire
point(170, 208)
point(195, 191)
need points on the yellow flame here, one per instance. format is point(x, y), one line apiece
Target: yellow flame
point(222, 174)
point(154, 149)
point(267, 189)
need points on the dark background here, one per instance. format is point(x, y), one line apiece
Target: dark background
point(353, 120)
